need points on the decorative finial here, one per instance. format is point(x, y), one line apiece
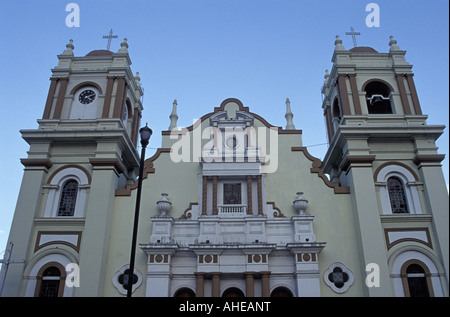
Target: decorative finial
point(300, 204)
point(70, 45)
point(338, 44)
point(393, 44)
point(163, 205)
point(124, 46)
point(289, 115)
point(137, 79)
point(173, 116)
point(69, 48)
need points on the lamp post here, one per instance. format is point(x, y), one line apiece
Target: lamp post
point(145, 134)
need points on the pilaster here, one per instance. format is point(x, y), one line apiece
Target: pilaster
point(372, 246)
point(94, 245)
point(437, 199)
point(21, 231)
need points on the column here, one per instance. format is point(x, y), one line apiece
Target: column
point(216, 284)
point(120, 97)
point(249, 196)
point(355, 95)
point(199, 284)
point(135, 126)
point(108, 95)
point(60, 99)
point(414, 97)
point(204, 194)
point(265, 283)
point(50, 97)
point(260, 206)
point(343, 95)
point(214, 207)
point(250, 284)
point(329, 120)
point(403, 97)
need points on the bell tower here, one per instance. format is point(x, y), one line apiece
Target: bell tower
point(98, 86)
point(82, 151)
point(381, 146)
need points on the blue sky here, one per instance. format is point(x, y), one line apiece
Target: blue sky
point(204, 51)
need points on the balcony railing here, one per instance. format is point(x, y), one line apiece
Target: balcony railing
point(232, 210)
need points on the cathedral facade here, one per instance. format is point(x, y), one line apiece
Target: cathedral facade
point(232, 206)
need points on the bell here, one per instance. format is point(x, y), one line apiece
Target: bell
point(376, 99)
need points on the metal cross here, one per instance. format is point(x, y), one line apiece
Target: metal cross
point(109, 37)
point(6, 261)
point(353, 34)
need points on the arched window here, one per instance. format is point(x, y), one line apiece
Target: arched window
point(233, 292)
point(50, 282)
point(397, 195)
point(68, 198)
point(415, 274)
point(417, 282)
point(46, 275)
point(127, 113)
point(416, 279)
point(378, 97)
point(281, 292)
point(336, 114)
point(336, 109)
point(184, 292)
point(398, 189)
point(67, 191)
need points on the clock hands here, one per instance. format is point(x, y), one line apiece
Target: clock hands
point(87, 96)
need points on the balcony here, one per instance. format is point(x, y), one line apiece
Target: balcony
point(234, 210)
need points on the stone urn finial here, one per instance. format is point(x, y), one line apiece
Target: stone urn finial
point(164, 205)
point(300, 204)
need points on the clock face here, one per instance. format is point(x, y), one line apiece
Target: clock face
point(87, 96)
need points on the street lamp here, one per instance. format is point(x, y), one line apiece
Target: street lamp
point(145, 134)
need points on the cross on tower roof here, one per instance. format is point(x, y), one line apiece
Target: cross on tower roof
point(353, 34)
point(7, 261)
point(109, 37)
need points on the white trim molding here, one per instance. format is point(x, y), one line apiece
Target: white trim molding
point(410, 187)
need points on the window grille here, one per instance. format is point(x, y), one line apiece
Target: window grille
point(50, 282)
point(231, 194)
point(397, 195)
point(68, 198)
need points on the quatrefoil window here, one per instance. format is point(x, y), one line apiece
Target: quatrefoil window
point(338, 277)
point(120, 279)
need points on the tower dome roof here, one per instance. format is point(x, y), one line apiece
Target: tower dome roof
point(100, 53)
point(363, 49)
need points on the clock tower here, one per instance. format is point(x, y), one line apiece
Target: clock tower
point(84, 148)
